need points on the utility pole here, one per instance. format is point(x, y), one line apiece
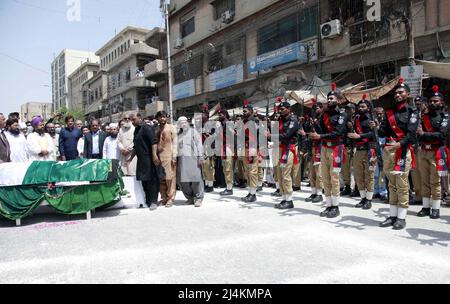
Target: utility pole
point(165, 9)
point(410, 31)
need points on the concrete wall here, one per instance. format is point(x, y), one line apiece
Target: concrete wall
point(31, 109)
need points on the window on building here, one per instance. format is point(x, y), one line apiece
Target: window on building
point(188, 70)
point(278, 34)
point(308, 22)
point(128, 44)
point(221, 6)
point(288, 30)
point(136, 41)
point(187, 24)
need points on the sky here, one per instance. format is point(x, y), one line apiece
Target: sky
point(33, 32)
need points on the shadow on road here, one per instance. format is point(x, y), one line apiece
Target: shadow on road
point(428, 237)
point(355, 222)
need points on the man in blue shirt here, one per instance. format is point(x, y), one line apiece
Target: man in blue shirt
point(68, 140)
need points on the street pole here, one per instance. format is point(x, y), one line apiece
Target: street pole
point(410, 33)
point(165, 7)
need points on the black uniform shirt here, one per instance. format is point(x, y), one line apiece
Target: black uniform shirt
point(407, 119)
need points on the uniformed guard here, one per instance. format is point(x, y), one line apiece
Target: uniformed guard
point(434, 154)
point(288, 153)
point(420, 103)
point(251, 151)
point(314, 150)
point(346, 172)
point(364, 160)
point(332, 127)
point(227, 151)
point(400, 128)
point(276, 168)
point(208, 167)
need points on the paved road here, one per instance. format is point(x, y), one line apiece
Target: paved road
point(226, 241)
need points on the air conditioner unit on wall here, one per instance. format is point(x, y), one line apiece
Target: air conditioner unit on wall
point(179, 43)
point(227, 16)
point(331, 29)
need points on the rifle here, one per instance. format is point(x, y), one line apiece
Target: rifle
point(378, 150)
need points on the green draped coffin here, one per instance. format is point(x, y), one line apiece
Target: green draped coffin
point(72, 187)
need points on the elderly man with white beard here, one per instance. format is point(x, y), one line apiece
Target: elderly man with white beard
point(125, 143)
point(190, 160)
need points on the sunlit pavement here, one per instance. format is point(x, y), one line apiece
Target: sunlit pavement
point(226, 241)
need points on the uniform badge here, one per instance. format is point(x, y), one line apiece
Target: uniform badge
point(291, 125)
point(445, 123)
point(337, 159)
point(441, 162)
point(413, 120)
point(401, 162)
point(341, 120)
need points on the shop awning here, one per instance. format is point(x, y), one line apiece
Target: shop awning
point(355, 93)
point(435, 69)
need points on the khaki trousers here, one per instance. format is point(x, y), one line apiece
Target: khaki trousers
point(431, 181)
point(346, 171)
point(252, 171)
point(297, 175)
point(364, 177)
point(315, 175)
point(398, 183)
point(286, 175)
point(330, 179)
point(168, 187)
point(417, 180)
point(208, 169)
point(241, 169)
point(228, 169)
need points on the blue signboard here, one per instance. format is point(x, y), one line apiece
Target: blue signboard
point(226, 77)
point(184, 89)
point(293, 52)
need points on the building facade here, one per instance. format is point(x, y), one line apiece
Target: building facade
point(122, 62)
point(31, 109)
point(230, 50)
point(63, 66)
point(76, 80)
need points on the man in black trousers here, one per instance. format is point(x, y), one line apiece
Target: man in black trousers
point(146, 150)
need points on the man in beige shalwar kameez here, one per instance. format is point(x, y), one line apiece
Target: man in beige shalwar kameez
point(167, 149)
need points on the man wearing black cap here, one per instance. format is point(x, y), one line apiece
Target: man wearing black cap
point(346, 173)
point(364, 160)
point(314, 150)
point(251, 151)
point(433, 155)
point(288, 153)
point(400, 128)
point(331, 132)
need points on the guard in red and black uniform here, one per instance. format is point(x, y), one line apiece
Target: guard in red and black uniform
point(227, 133)
point(332, 130)
point(364, 159)
point(288, 153)
point(434, 154)
point(400, 128)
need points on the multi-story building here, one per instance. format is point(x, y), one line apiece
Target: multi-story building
point(31, 109)
point(229, 50)
point(95, 96)
point(123, 60)
point(62, 66)
point(76, 80)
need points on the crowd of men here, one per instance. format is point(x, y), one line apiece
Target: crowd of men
point(391, 153)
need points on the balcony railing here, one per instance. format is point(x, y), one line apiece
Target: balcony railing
point(156, 70)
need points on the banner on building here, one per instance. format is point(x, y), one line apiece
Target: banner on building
point(226, 77)
point(294, 52)
point(184, 89)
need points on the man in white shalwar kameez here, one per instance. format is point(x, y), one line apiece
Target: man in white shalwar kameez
point(110, 148)
point(17, 142)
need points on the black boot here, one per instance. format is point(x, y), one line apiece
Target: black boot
point(334, 212)
point(209, 189)
point(285, 205)
point(367, 205)
point(250, 198)
point(325, 212)
point(317, 199)
point(310, 199)
point(390, 221)
point(296, 188)
point(277, 193)
point(355, 193)
point(399, 224)
point(361, 203)
point(435, 214)
point(424, 212)
point(259, 189)
point(226, 192)
point(347, 191)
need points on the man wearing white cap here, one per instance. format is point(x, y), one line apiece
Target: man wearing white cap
point(189, 163)
point(17, 141)
point(110, 148)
